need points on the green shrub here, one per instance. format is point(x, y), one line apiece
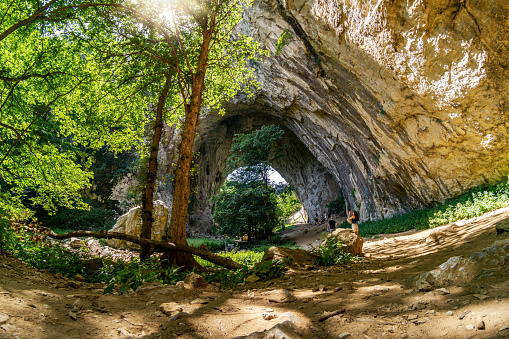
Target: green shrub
point(229, 279)
point(245, 258)
point(51, 257)
point(226, 278)
point(337, 206)
point(271, 269)
point(133, 274)
point(76, 219)
point(331, 252)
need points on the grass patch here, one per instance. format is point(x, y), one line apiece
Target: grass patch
point(471, 204)
point(214, 245)
point(247, 258)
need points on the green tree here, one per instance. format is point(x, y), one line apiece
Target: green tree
point(240, 208)
point(132, 63)
point(187, 56)
point(249, 159)
point(49, 88)
point(287, 205)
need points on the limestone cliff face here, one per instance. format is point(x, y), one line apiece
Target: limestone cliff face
point(397, 104)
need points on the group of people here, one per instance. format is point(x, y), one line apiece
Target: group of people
point(353, 218)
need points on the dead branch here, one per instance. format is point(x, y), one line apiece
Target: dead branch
point(202, 251)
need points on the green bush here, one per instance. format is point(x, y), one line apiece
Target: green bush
point(226, 278)
point(51, 257)
point(229, 279)
point(471, 204)
point(331, 252)
point(271, 269)
point(76, 219)
point(133, 274)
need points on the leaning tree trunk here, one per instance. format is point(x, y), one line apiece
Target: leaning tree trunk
point(177, 229)
point(148, 194)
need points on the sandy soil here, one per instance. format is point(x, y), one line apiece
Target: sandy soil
point(371, 297)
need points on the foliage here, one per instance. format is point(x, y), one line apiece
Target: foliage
point(52, 257)
point(287, 205)
point(53, 99)
point(337, 206)
point(133, 274)
point(246, 202)
point(330, 252)
point(255, 150)
point(229, 279)
point(226, 278)
point(247, 258)
point(94, 219)
point(243, 208)
point(271, 269)
point(214, 245)
point(284, 40)
point(471, 204)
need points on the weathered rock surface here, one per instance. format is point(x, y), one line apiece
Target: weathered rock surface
point(458, 270)
point(285, 329)
point(502, 226)
point(298, 257)
point(130, 223)
point(396, 106)
point(352, 242)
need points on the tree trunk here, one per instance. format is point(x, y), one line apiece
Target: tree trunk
point(148, 194)
point(177, 229)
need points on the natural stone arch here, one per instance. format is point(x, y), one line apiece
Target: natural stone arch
point(398, 122)
point(314, 186)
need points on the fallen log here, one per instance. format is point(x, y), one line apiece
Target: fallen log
point(201, 251)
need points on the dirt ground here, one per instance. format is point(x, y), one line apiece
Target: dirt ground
point(370, 297)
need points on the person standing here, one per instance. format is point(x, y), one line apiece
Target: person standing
point(332, 225)
point(353, 218)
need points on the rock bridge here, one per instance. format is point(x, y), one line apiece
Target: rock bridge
point(396, 104)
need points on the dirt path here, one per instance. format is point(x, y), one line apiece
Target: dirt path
point(371, 297)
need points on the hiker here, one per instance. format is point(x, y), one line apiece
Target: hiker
point(353, 218)
point(316, 218)
point(332, 225)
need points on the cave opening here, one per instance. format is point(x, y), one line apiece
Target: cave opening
point(314, 186)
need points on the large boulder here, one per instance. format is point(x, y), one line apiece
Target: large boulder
point(459, 270)
point(298, 257)
point(130, 223)
point(352, 242)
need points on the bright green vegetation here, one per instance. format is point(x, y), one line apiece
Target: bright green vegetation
point(331, 253)
point(214, 245)
point(247, 258)
point(123, 276)
point(468, 205)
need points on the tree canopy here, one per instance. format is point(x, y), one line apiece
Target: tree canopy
point(99, 72)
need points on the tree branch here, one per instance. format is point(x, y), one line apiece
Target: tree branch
point(202, 251)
